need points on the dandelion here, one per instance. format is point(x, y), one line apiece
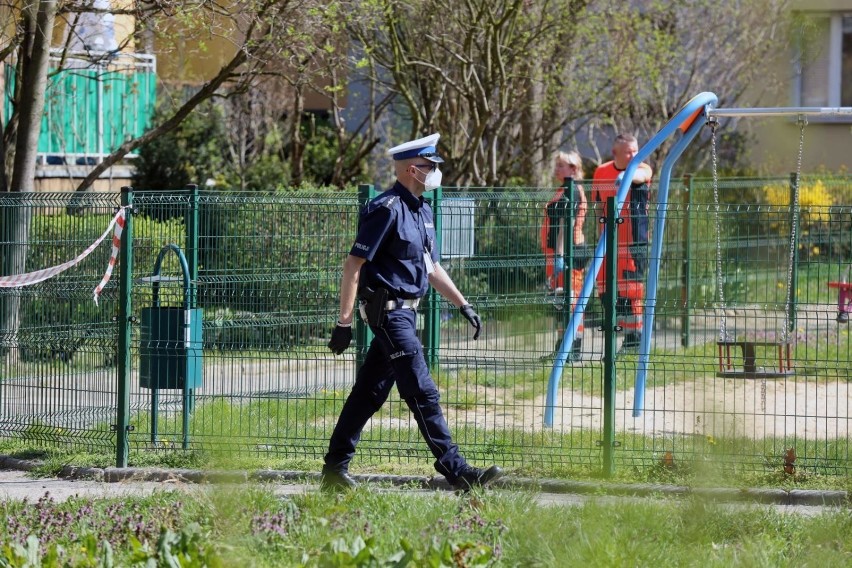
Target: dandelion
point(711, 440)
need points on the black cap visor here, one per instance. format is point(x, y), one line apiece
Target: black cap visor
point(432, 157)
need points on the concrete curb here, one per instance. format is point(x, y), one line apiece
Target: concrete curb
point(812, 497)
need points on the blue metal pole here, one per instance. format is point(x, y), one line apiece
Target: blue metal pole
point(698, 103)
point(654, 264)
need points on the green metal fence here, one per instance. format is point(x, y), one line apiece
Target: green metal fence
point(57, 383)
point(264, 270)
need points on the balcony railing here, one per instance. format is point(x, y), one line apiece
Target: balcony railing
point(93, 103)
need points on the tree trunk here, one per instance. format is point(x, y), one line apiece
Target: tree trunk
point(5, 163)
point(530, 169)
point(297, 156)
point(35, 58)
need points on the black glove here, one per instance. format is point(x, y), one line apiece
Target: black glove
point(341, 337)
point(473, 318)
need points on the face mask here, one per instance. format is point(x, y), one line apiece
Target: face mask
point(433, 180)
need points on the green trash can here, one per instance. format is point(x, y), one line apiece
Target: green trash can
point(171, 350)
point(168, 357)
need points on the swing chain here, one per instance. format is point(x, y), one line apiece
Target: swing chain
point(794, 226)
point(720, 289)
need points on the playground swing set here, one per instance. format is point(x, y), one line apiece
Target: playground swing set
point(688, 122)
point(748, 347)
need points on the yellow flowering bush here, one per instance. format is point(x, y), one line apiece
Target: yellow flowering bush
point(813, 196)
point(815, 202)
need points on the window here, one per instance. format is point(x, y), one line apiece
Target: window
point(824, 61)
point(846, 65)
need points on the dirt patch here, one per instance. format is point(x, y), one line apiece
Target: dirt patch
point(753, 408)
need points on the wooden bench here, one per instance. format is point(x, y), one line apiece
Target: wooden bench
point(750, 370)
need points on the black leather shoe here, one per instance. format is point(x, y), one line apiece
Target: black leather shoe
point(333, 480)
point(471, 477)
point(629, 349)
point(630, 345)
point(576, 353)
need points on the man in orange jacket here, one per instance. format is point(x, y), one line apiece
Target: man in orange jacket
point(633, 235)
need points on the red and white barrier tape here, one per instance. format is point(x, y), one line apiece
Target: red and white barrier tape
point(118, 221)
point(30, 278)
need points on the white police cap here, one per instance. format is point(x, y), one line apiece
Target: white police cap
point(424, 147)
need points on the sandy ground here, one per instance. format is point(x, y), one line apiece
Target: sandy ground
point(719, 407)
point(708, 406)
point(798, 406)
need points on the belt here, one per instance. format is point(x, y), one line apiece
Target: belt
point(410, 304)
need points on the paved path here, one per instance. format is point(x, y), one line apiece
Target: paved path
point(18, 485)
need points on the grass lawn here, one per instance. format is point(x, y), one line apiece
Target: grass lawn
point(250, 526)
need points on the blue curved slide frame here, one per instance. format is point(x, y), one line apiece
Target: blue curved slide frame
point(698, 104)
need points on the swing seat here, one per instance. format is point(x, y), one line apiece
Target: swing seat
point(750, 370)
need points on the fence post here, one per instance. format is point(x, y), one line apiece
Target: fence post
point(685, 275)
point(125, 284)
point(363, 335)
point(610, 337)
point(568, 250)
point(795, 219)
point(191, 247)
point(432, 311)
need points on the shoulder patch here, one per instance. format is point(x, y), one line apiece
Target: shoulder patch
point(391, 201)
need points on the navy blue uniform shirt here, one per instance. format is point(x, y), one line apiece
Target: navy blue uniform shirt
point(394, 231)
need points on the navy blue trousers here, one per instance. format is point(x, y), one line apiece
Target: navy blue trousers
point(395, 356)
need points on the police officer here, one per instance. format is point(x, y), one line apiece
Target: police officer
point(389, 268)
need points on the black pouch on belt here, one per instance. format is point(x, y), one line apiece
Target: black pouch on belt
point(374, 305)
point(581, 257)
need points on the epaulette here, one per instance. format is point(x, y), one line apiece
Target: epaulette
point(391, 201)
